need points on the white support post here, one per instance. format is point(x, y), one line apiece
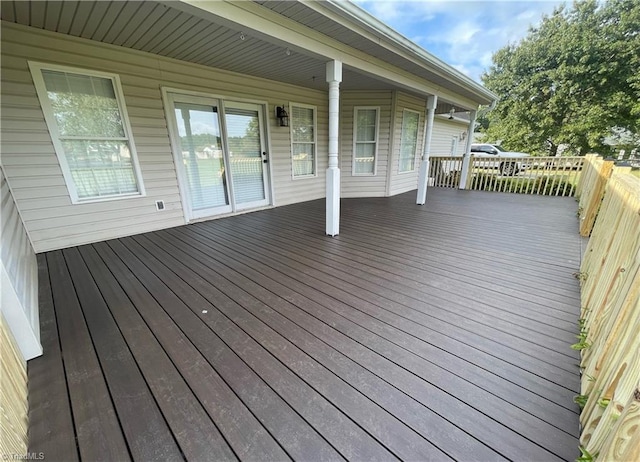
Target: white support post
point(334, 77)
point(423, 176)
point(466, 164)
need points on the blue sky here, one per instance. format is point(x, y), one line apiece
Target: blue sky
point(463, 33)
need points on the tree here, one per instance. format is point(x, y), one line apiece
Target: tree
point(574, 80)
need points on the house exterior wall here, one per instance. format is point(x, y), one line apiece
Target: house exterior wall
point(33, 170)
point(361, 185)
point(19, 277)
point(406, 181)
point(443, 131)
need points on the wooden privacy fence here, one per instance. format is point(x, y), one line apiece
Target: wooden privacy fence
point(595, 174)
point(548, 176)
point(610, 318)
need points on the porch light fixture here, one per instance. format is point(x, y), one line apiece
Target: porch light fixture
point(451, 112)
point(282, 116)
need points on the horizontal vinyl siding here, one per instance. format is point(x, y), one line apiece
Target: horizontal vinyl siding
point(403, 182)
point(364, 186)
point(32, 167)
point(20, 267)
point(443, 132)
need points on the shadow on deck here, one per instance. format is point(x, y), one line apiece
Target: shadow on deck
point(421, 333)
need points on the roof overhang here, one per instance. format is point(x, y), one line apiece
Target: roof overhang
point(286, 41)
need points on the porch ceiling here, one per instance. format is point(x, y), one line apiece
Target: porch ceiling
point(165, 29)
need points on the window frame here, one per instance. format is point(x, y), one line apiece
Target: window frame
point(415, 153)
point(36, 69)
point(315, 140)
point(356, 142)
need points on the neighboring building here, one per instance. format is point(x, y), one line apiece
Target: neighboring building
point(126, 117)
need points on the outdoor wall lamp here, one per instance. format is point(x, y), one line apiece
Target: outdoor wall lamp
point(451, 112)
point(282, 116)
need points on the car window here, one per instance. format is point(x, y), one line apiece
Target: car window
point(500, 148)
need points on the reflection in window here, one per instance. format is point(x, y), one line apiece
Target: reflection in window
point(303, 140)
point(86, 118)
point(409, 141)
point(365, 140)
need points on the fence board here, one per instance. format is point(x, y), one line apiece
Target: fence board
point(610, 318)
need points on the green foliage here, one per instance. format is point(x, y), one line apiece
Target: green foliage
point(603, 402)
point(581, 400)
point(585, 456)
point(573, 80)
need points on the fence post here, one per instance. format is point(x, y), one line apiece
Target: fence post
point(592, 204)
point(467, 151)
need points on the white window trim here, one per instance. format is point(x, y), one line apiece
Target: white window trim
point(36, 73)
point(415, 154)
point(376, 142)
point(315, 140)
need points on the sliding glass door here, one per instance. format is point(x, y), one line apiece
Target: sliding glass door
point(221, 155)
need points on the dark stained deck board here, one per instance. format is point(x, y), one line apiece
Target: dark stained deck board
point(421, 390)
point(177, 402)
point(138, 414)
point(50, 421)
point(407, 282)
point(404, 443)
point(366, 300)
point(96, 421)
point(397, 288)
point(257, 337)
point(240, 428)
point(421, 421)
point(305, 296)
point(272, 411)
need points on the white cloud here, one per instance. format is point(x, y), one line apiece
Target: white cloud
point(463, 33)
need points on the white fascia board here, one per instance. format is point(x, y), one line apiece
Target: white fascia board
point(274, 28)
point(360, 21)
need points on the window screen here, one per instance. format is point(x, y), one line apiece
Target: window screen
point(86, 118)
point(365, 140)
point(409, 141)
point(303, 140)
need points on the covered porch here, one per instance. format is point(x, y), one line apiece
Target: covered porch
point(430, 332)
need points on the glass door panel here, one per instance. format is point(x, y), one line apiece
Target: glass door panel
point(200, 140)
point(246, 147)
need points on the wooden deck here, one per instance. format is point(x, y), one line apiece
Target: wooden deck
point(419, 333)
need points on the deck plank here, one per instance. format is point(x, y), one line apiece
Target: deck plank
point(235, 266)
point(50, 421)
point(96, 421)
point(140, 418)
point(180, 407)
point(535, 429)
point(436, 332)
point(225, 313)
point(244, 434)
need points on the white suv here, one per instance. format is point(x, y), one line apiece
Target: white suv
point(493, 151)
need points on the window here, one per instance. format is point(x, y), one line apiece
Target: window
point(365, 140)
point(303, 140)
point(409, 141)
point(87, 120)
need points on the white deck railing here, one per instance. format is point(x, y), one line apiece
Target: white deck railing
point(548, 176)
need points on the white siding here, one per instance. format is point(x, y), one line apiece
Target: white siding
point(364, 186)
point(406, 181)
point(32, 167)
point(443, 131)
point(19, 277)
